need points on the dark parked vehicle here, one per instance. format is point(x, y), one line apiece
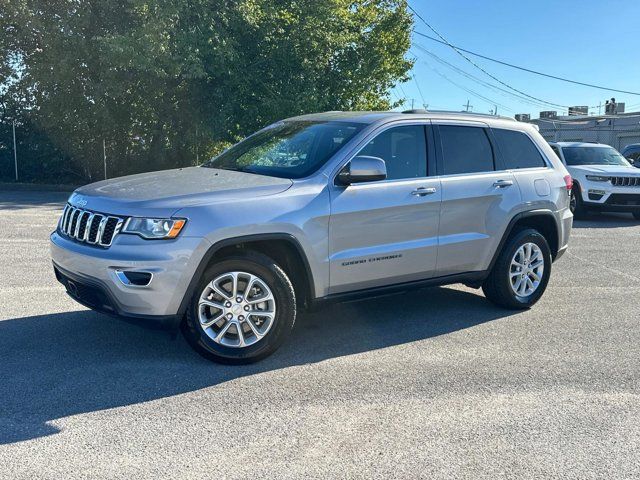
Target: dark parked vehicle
point(632, 153)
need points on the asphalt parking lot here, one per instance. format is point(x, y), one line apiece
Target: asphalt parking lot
point(431, 384)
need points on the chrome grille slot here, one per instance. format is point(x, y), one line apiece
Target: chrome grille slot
point(89, 227)
point(625, 181)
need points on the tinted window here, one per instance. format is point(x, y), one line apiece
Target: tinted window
point(518, 151)
point(291, 149)
point(403, 149)
point(593, 156)
point(556, 150)
point(465, 150)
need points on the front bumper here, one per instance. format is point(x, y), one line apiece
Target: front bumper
point(602, 196)
point(90, 274)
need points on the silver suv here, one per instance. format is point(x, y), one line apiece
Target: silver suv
point(318, 208)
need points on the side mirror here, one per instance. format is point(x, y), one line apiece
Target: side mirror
point(363, 169)
point(631, 160)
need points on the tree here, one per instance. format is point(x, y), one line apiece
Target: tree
point(164, 82)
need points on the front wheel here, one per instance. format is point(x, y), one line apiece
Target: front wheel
point(242, 311)
point(521, 273)
point(575, 202)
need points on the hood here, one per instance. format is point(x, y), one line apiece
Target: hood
point(606, 169)
point(167, 191)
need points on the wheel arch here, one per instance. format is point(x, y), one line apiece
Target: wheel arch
point(283, 248)
point(543, 221)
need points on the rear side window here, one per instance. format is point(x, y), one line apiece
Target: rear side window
point(465, 150)
point(403, 149)
point(518, 151)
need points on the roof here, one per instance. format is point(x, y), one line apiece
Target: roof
point(372, 117)
point(580, 144)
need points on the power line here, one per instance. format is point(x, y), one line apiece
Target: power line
point(555, 77)
point(446, 42)
point(424, 103)
point(477, 79)
point(468, 90)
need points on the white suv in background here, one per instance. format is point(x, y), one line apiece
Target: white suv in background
point(603, 180)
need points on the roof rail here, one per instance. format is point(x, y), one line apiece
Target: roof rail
point(453, 112)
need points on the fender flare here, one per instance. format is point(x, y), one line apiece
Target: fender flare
point(512, 223)
point(213, 249)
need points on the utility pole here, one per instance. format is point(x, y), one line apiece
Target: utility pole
point(104, 156)
point(15, 150)
point(412, 104)
point(599, 107)
point(467, 106)
point(495, 112)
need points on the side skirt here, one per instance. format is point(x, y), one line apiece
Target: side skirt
point(471, 279)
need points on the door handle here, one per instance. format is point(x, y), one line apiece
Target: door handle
point(502, 183)
point(422, 191)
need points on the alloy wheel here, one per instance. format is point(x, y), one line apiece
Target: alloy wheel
point(527, 269)
point(236, 309)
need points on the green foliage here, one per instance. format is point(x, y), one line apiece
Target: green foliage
point(168, 82)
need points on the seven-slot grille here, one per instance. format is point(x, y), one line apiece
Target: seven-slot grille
point(625, 181)
point(89, 227)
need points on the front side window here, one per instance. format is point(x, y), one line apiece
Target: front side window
point(291, 149)
point(517, 149)
point(403, 150)
point(465, 150)
point(593, 156)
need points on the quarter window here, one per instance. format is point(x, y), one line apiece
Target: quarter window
point(465, 150)
point(518, 151)
point(403, 149)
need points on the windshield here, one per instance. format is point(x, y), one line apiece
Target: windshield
point(593, 156)
point(287, 149)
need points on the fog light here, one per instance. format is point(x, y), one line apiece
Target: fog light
point(596, 194)
point(132, 278)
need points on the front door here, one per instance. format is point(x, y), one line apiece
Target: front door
point(386, 232)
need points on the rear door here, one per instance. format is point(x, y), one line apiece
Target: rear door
point(479, 197)
point(522, 158)
point(386, 232)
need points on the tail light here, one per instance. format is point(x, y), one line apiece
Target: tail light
point(568, 182)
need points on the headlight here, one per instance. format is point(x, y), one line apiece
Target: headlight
point(597, 178)
point(154, 228)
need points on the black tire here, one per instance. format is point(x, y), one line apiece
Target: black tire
point(575, 203)
point(497, 286)
point(636, 215)
point(285, 300)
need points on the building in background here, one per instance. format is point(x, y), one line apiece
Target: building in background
point(618, 130)
point(549, 114)
point(579, 110)
point(611, 107)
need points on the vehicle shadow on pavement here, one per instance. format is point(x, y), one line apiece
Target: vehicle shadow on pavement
point(57, 365)
point(605, 220)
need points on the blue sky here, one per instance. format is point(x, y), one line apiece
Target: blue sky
point(591, 41)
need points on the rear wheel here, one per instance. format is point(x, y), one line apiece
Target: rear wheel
point(521, 273)
point(242, 311)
